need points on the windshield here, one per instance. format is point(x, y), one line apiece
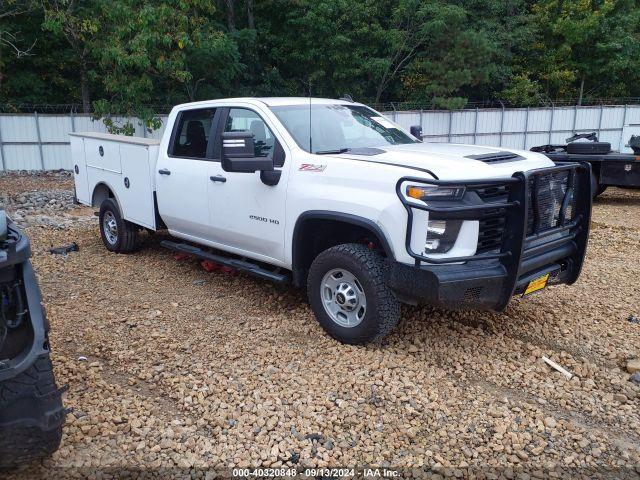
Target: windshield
point(338, 128)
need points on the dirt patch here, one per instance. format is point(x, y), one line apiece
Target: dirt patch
point(13, 183)
point(618, 207)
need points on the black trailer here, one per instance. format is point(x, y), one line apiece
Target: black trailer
point(608, 168)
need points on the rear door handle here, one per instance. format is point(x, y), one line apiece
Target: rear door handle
point(164, 171)
point(218, 178)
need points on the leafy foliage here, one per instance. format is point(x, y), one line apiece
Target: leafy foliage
point(135, 57)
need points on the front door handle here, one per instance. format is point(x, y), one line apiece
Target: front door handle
point(218, 178)
point(164, 171)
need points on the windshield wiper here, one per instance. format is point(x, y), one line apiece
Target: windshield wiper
point(329, 152)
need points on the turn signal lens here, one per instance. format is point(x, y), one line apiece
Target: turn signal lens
point(434, 192)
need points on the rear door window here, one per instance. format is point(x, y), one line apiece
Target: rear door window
point(191, 133)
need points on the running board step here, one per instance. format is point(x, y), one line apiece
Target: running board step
point(240, 265)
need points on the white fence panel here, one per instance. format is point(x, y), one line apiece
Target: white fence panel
point(522, 128)
point(33, 142)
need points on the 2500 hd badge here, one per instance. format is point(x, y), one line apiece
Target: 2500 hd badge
point(264, 219)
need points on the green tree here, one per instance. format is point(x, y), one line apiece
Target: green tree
point(333, 45)
point(39, 71)
point(76, 23)
point(11, 41)
point(587, 48)
point(449, 54)
point(160, 52)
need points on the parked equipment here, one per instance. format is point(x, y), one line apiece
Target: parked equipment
point(608, 168)
point(31, 411)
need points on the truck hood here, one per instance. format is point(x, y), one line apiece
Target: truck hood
point(450, 161)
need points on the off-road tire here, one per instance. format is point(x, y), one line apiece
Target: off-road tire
point(383, 309)
point(33, 395)
point(589, 148)
point(127, 238)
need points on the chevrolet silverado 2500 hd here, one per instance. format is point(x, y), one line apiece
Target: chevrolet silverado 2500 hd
point(331, 195)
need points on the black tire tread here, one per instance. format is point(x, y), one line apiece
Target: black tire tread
point(128, 238)
point(388, 311)
point(22, 444)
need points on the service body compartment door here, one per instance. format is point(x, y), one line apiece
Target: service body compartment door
point(103, 154)
point(80, 171)
point(136, 189)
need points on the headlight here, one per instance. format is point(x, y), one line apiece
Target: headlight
point(434, 192)
point(441, 235)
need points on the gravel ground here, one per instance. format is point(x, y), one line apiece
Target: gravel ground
point(186, 369)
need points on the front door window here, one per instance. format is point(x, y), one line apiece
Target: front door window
point(244, 120)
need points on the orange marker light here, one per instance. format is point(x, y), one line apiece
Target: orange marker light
point(415, 192)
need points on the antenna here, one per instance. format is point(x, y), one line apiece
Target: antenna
point(310, 139)
point(308, 85)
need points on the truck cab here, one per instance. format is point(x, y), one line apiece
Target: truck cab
point(332, 196)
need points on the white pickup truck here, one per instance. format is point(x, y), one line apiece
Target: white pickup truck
point(331, 195)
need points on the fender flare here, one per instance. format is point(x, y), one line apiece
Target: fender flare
point(363, 222)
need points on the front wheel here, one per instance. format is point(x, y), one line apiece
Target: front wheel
point(118, 235)
point(349, 296)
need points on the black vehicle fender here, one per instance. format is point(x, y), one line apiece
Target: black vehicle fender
point(39, 323)
point(298, 263)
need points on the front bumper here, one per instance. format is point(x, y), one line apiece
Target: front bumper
point(527, 249)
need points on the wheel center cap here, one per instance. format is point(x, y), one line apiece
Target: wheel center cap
point(340, 299)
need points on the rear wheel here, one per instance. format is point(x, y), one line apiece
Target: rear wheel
point(118, 235)
point(596, 188)
point(32, 414)
point(349, 296)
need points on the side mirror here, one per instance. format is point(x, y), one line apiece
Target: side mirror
point(238, 154)
point(416, 131)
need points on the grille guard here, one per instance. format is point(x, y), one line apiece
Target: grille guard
point(516, 245)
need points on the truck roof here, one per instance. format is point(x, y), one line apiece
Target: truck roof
point(278, 101)
point(274, 101)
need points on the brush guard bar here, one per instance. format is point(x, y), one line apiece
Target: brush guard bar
point(527, 245)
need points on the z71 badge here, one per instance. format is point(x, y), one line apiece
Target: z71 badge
point(312, 167)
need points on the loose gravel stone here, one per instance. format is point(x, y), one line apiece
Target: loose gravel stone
point(633, 365)
point(31, 206)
